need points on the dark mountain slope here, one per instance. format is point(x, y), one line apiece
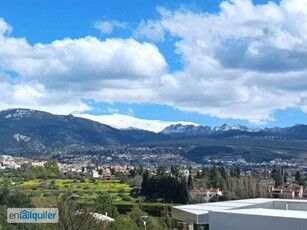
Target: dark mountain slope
point(35, 131)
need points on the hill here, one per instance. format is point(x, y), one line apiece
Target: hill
point(24, 131)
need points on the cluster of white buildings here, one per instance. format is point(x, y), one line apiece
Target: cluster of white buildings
point(93, 170)
point(7, 161)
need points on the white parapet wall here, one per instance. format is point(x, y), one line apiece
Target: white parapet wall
point(246, 214)
point(255, 219)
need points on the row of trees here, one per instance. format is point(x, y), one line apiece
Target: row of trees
point(161, 188)
point(233, 185)
point(281, 176)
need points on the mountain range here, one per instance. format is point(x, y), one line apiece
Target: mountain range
point(25, 131)
point(121, 121)
point(183, 129)
point(31, 131)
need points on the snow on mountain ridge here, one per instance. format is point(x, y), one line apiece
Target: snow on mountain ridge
point(190, 130)
point(17, 114)
point(120, 121)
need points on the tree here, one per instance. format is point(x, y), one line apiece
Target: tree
point(190, 182)
point(172, 169)
point(198, 175)
point(214, 177)
point(14, 199)
point(161, 170)
point(203, 171)
point(163, 187)
point(52, 168)
point(141, 170)
point(145, 183)
point(135, 215)
point(141, 218)
point(19, 199)
point(285, 177)
point(132, 173)
point(52, 164)
point(223, 172)
point(298, 176)
point(183, 192)
point(73, 216)
point(168, 221)
point(276, 175)
point(104, 204)
point(136, 181)
point(123, 222)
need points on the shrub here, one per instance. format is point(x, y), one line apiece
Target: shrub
point(34, 187)
point(121, 190)
point(35, 194)
point(121, 195)
point(47, 194)
point(43, 185)
point(126, 198)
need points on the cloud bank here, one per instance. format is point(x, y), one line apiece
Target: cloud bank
point(243, 62)
point(57, 77)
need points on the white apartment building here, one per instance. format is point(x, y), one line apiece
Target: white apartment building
point(204, 194)
point(251, 214)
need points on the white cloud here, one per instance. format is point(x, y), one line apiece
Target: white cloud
point(244, 62)
point(4, 27)
point(34, 95)
point(107, 27)
point(66, 60)
point(295, 6)
point(58, 76)
point(150, 29)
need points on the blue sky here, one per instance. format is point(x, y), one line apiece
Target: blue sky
point(210, 62)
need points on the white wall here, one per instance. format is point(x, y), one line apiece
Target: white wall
point(234, 221)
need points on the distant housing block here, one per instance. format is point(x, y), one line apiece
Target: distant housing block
point(288, 191)
point(204, 194)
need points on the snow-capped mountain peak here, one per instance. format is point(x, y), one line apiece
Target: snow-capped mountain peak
point(120, 121)
point(191, 130)
point(17, 114)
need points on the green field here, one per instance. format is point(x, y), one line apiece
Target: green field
point(85, 189)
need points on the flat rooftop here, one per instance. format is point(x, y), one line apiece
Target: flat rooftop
point(269, 212)
point(199, 213)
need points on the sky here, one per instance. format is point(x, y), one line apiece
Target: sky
point(205, 61)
